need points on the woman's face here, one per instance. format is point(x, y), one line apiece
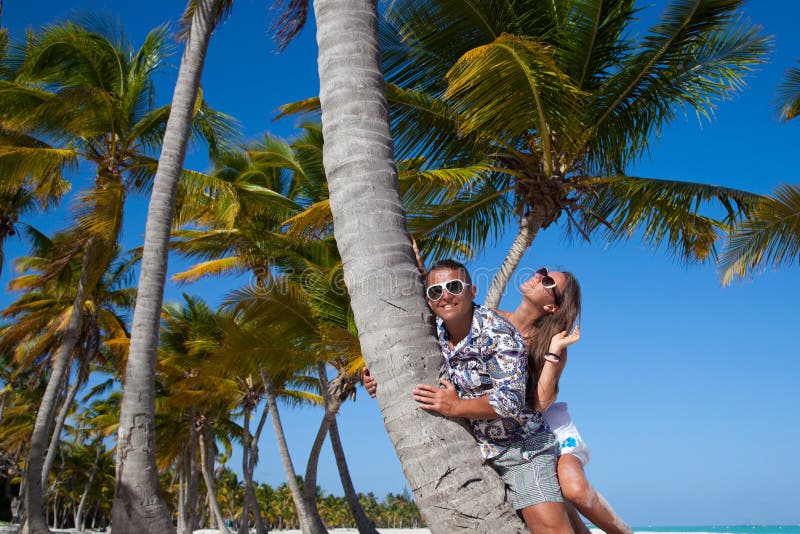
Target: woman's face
point(533, 290)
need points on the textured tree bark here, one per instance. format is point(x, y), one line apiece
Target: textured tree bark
point(452, 488)
point(138, 503)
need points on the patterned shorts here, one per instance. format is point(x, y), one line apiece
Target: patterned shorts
point(529, 470)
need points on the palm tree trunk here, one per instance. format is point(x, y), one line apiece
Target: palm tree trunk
point(310, 480)
point(138, 503)
point(60, 419)
point(364, 525)
point(182, 523)
point(527, 232)
point(454, 491)
point(36, 523)
point(244, 525)
point(79, 515)
point(286, 459)
point(206, 444)
point(261, 528)
point(193, 519)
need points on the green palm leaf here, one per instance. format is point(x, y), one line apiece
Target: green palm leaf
point(788, 100)
point(770, 236)
point(667, 212)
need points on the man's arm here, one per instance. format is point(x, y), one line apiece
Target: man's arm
point(447, 402)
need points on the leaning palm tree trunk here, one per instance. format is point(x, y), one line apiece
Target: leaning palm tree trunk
point(80, 516)
point(206, 466)
point(310, 480)
point(286, 459)
point(138, 504)
point(527, 232)
point(364, 525)
point(36, 522)
point(252, 459)
point(453, 490)
point(56, 436)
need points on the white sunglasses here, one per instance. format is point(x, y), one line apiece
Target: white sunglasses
point(454, 287)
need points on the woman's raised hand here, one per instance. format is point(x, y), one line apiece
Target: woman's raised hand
point(562, 340)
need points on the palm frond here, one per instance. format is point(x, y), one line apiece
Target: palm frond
point(667, 212)
point(770, 236)
point(788, 99)
point(215, 267)
point(699, 53)
point(511, 86)
point(291, 19)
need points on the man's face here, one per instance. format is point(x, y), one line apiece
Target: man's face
point(450, 307)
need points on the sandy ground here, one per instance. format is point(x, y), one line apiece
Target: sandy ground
point(13, 530)
point(10, 530)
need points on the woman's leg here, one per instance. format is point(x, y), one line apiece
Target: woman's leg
point(587, 500)
point(547, 518)
point(576, 520)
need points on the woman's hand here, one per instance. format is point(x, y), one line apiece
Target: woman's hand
point(562, 340)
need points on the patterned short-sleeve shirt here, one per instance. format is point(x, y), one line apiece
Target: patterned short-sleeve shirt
point(491, 360)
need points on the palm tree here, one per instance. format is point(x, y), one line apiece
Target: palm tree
point(269, 336)
point(559, 101)
point(138, 505)
point(84, 86)
point(27, 184)
point(789, 95)
point(45, 309)
point(382, 277)
point(40, 313)
point(771, 234)
point(192, 333)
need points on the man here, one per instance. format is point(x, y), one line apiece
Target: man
point(487, 363)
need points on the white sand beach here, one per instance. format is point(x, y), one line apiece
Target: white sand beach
point(13, 530)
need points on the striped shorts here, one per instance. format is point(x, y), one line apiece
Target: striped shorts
point(529, 470)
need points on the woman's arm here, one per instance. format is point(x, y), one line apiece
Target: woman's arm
point(554, 363)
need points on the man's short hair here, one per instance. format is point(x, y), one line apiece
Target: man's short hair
point(452, 265)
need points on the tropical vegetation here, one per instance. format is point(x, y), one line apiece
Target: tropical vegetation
point(117, 408)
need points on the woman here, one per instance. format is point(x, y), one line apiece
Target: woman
point(550, 306)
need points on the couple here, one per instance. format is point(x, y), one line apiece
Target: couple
point(502, 392)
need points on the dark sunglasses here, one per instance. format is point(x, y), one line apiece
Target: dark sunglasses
point(454, 287)
point(549, 283)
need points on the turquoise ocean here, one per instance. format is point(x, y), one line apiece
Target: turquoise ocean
point(723, 529)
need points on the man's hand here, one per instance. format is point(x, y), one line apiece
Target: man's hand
point(369, 383)
point(434, 399)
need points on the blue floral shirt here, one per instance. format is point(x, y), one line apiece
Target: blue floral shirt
point(491, 360)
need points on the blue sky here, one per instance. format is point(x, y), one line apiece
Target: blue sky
point(685, 390)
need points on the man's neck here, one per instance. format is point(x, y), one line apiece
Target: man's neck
point(458, 329)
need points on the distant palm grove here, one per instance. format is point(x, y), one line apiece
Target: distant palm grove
point(118, 409)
